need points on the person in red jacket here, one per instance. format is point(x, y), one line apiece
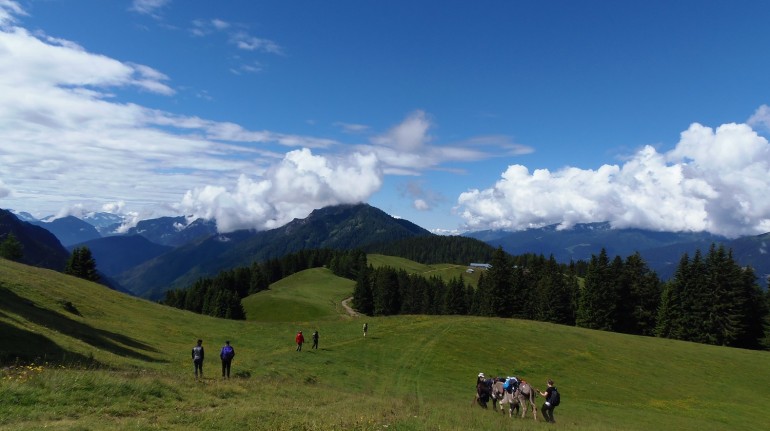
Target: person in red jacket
point(299, 339)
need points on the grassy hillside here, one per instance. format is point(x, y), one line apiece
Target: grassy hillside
point(444, 271)
point(315, 294)
point(409, 373)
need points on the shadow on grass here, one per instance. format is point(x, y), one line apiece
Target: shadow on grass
point(118, 344)
point(36, 349)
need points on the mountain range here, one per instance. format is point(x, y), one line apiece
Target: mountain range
point(173, 252)
point(661, 250)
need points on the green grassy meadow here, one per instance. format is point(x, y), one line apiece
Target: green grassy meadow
point(444, 271)
point(95, 359)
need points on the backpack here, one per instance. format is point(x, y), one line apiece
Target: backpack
point(197, 353)
point(555, 398)
point(228, 352)
point(511, 384)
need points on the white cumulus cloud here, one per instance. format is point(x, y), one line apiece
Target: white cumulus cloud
point(713, 180)
point(291, 189)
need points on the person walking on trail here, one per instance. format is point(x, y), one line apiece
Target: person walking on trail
point(197, 357)
point(551, 395)
point(315, 339)
point(299, 339)
point(226, 355)
point(366, 328)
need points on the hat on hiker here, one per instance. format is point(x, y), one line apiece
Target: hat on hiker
point(481, 374)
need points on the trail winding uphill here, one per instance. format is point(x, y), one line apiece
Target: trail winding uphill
point(346, 306)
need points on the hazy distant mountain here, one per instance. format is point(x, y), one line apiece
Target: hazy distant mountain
point(116, 254)
point(69, 230)
point(24, 216)
point(105, 223)
point(661, 250)
point(584, 240)
point(40, 247)
point(174, 231)
point(337, 227)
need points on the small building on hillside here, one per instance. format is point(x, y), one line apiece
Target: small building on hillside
point(480, 266)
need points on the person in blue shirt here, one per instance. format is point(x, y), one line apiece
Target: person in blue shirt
point(226, 355)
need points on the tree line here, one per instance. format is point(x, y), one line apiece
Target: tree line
point(711, 299)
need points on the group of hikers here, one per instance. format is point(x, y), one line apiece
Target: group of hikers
point(517, 392)
point(485, 388)
point(226, 355)
point(300, 339)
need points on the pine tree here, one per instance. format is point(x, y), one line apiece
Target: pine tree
point(456, 300)
point(363, 298)
point(754, 313)
point(499, 287)
point(640, 297)
point(598, 299)
point(385, 290)
point(11, 248)
point(82, 264)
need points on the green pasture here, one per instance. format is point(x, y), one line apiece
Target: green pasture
point(444, 271)
point(94, 359)
point(315, 294)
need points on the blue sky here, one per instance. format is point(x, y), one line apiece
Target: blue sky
point(454, 115)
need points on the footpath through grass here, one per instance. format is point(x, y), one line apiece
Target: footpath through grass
point(409, 373)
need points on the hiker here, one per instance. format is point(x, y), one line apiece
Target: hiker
point(483, 390)
point(366, 327)
point(299, 339)
point(315, 339)
point(197, 357)
point(551, 395)
point(227, 354)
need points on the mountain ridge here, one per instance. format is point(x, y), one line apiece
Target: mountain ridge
point(338, 227)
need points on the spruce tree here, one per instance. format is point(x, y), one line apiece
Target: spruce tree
point(82, 264)
point(754, 312)
point(553, 298)
point(640, 297)
point(363, 298)
point(11, 248)
point(598, 299)
point(385, 290)
point(456, 300)
point(499, 281)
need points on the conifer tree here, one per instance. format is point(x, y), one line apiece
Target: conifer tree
point(499, 285)
point(11, 248)
point(385, 291)
point(640, 296)
point(598, 299)
point(754, 311)
point(82, 264)
point(363, 298)
point(456, 300)
point(672, 302)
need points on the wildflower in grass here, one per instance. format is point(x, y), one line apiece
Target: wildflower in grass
point(22, 373)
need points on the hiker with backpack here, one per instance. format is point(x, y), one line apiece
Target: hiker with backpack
point(315, 339)
point(197, 357)
point(552, 400)
point(227, 354)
